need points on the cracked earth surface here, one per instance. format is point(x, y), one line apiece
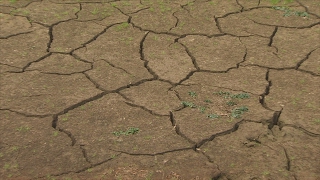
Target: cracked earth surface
point(210, 89)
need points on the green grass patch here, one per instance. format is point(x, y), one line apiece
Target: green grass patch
point(278, 1)
point(223, 93)
point(213, 116)
point(231, 103)
point(202, 109)
point(188, 104)
point(231, 100)
point(208, 101)
point(289, 12)
point(131, 130)
point(227, 95)
point(23, 129)
point(122, 26)
point(192, 94)
point(237, 112)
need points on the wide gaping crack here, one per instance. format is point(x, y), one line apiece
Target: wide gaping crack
point(143, 58)
point(38, 60)
point(84, 153)
point(266, 91)
point(239, 4)
point(74, 106)
point(154, 154)
point(275, 119)
point(212, 137)
point(177, 129)
point(309, 133)
point(244, 58)
point(17, 34)
point(216, 20)
point(288, 167)
point(26, 114)
point(272, 36)
point(305, 58)
point(69, 134)
point(50, 33)
point(177, 21)
point(194, 61)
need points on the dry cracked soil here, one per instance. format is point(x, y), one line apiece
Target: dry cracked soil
point(160, 89)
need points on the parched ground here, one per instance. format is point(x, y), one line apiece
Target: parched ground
point(160, 89)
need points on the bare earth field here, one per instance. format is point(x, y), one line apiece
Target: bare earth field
point(159, 89)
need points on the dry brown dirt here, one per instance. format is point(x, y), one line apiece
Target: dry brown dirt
point(159, 89)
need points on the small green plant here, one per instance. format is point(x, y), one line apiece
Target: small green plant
point(126, 3)
point(190, 5)
point(15, 148)
point(135, 148)
point(181, 24)
point(75, 9)
point(289, 12)
point(241, 96)
point(212, 3)
point(149, 176)
point(237, 112)
point(23, 129)
point(95, 11)
point(213, 116)
point(55, 133)
point(223, 93)
point(188, 104)
point(65, 118)
point(277, 1)
point(148, 137)
point(202, 109)
point(127, 40)
point(232, 100)
point(266, 173)
point(50, 178)
point(163, 8)
point(122, 26)
point(6, 166)
point(155, 38)
point(227, 95)
point(129, 131)
point(208, 101)
point(192, 94)
point(231, 103)
point(13, 12)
